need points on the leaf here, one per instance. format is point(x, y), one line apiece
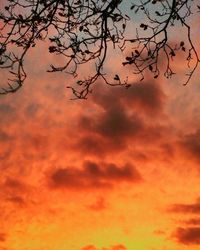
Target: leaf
point(128, 86)
point(157, 13)
point(52, 49)
point(137, 52)
point(150, 67)
point(79, 82)
point(144, 26)
point(128, 58)
point(172, 53)
point(116, 78)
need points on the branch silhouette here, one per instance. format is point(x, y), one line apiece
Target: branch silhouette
point(82, 32)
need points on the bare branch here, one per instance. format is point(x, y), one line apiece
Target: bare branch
point(82, 32)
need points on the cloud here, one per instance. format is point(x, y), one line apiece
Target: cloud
point(119, 247)
point(38, 146)
point(16, 192)
point(147, 97)
point(2, 237)
point(115, 123)
point(14, 184)
point(116, 247)
point(93, 145)
point(4, 136)
point(121, 116)
point(6, 109)
point(16, 200)
point(186, 208)
point(188, 236)
point(89, 247)
point(193, 221)
point(7, 112)
point(191, 233)
point(98, 205)
point(93, 175)
point(190, 144)
point(32, 109)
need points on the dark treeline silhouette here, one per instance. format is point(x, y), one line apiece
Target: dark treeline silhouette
point(84, 32)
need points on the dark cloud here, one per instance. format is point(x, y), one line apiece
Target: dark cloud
point(190, 144)
point(188, 236)
point(16, 200)
point(8, 113)
point(113, 123)
point(6, 109)
point(92, 145)
point(93, 175)
point(120, 118)
point(15, 191)
point(146, 97)
point(33, 109)
point(186, 208)
point(115, 131)
point(116, 123)
point(4, 136)
point(122, 109)
point(14, 184)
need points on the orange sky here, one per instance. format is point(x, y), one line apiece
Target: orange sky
point(119, 171)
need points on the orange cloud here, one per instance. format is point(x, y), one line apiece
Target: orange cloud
point(2, 237)
point(190, 233)
point(190, 144)
point(186, 208)
point(193, 221)
point(89, 247)
point(121, 116)
point(93, 175)
point(148, 97)
point(116, 247)
point(99, 205)
point(188, 236)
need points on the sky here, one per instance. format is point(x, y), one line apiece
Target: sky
point(118, 171)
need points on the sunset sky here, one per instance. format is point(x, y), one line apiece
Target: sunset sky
point(118, 171)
